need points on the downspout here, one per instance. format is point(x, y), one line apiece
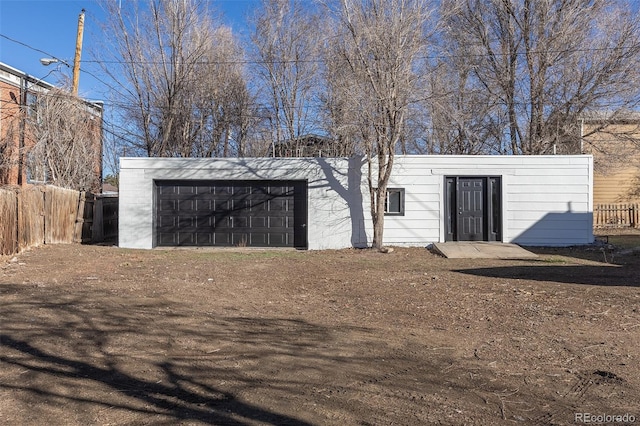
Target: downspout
point(100, 181)
point(23, 126)
point(582, 136)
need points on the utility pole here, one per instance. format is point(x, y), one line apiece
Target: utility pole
point(76, 59)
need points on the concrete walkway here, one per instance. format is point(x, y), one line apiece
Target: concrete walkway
point(482, 250)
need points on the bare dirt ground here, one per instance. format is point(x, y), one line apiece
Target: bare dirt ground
point(101, 335)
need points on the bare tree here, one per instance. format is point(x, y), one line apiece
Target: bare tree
point(9, 143)
point(286, 42)
point(339, 112)
point(179, 78)
point(379, 43)
point(64, 141)
point(457, 116)
point(546, 62)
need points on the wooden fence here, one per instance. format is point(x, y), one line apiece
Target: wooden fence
point(616, 216)
point(35, 215)
point(97, 218)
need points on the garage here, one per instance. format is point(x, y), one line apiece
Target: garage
point(324, 203)
point(230, 213)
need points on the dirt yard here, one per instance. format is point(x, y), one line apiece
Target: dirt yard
point(106, 336)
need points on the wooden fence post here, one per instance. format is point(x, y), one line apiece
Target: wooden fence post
point(77, 234)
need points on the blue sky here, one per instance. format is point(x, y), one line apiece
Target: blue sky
point(51, 26)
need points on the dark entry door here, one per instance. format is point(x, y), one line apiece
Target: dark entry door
point(473, 209)
point(231, 213)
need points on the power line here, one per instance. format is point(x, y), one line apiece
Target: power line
point(33, 48)
point(319, 60)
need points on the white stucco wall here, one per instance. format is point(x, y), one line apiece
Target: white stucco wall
point(547, 200)
point(329, 224)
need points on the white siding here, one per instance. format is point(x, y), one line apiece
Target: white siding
point(547, 200)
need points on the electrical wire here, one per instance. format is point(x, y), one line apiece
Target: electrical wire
point(254, 62)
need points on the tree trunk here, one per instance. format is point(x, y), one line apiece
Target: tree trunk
point(377, 216)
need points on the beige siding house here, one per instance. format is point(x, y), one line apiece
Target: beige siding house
point(615, 146)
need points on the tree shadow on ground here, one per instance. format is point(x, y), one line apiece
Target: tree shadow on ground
point(159, 361)
point(605, 275)
point(593, 253)
point(209, 406)
point(150, 358)
point(107, 353)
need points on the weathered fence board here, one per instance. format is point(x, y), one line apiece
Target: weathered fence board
point(84, 219)
point(31, 218)
point(616, 216)
point(8, 221)
point(61, 210)
point(34, 215)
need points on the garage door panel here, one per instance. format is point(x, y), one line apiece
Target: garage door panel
point(240, 222)
point(260, 206)
point(185, 223)
point(187, 190)
point(166, 221)
point(204, 239)
point(167, 239)
point(260, 190)
point(204, 205)
point(166, 205)
point(242, 204)
point(280, 190)
point(277, 222)
point(186, 239)
point(201, 190)
point(222, 239)
point(205, 222)
point(222, 221)
point(231, 213)
point(259, 239)
point(223, 190)
point(240, 239)
point(280, 239)
point(167, 190)
point(278, 205)
point(186, 205)
point(259, 222)
point(223, 205)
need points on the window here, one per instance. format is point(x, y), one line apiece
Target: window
point(32, 105)
point(36, 168)
point(394, 202)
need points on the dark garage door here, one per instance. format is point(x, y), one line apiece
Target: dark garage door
point(231, 213)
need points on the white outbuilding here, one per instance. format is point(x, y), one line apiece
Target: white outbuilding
point(324, 203)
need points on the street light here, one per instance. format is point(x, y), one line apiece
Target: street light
point(48, 61)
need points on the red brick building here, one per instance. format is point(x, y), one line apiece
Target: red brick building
point(19, 94)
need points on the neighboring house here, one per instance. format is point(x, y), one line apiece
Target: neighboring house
point(311, 146)
point(615, 146)
point(614, 143)
point(19, 93)
point(323, 203)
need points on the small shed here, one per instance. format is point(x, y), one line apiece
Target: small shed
point(323, 203)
